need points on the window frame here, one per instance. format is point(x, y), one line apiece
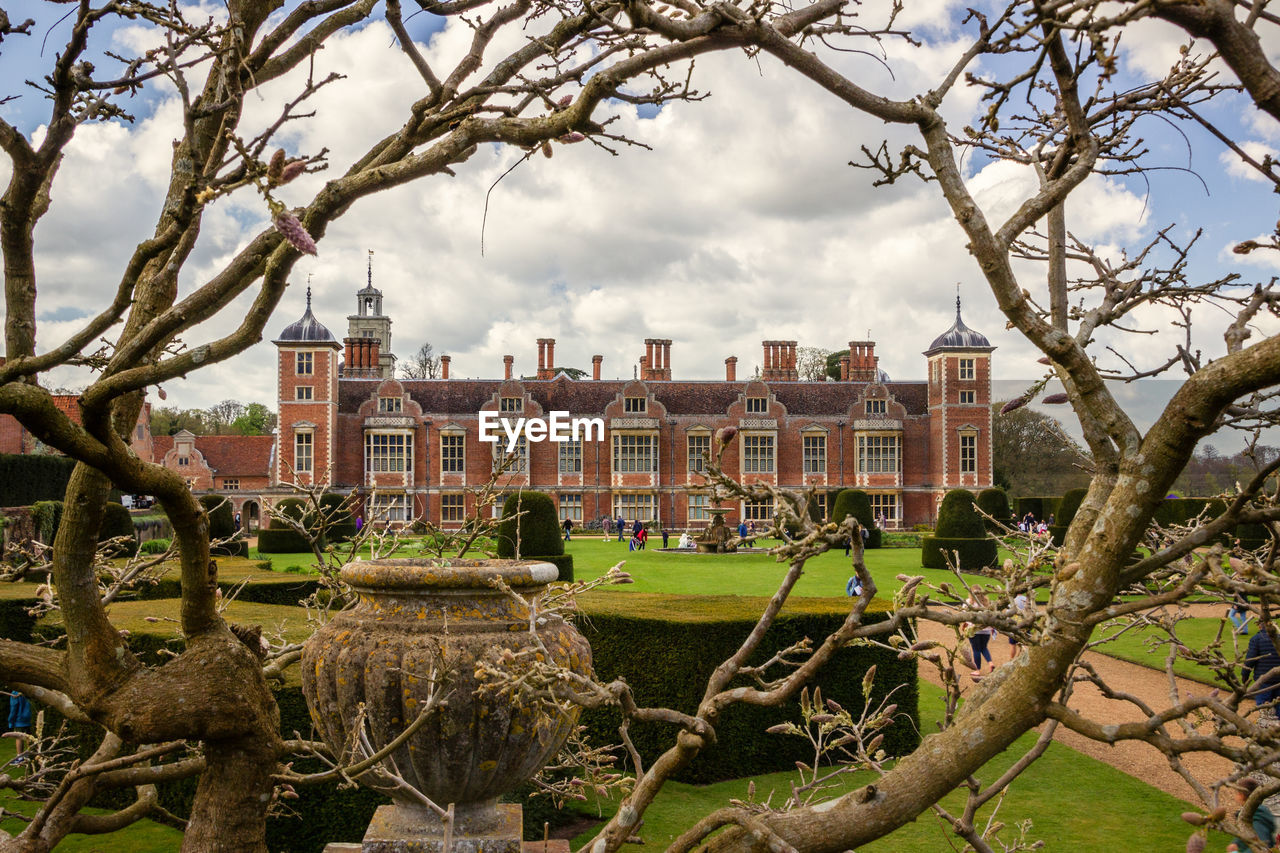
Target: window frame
point(451, 504)
point(972, 398)
point(759, 453)
point(757, 405)
point(447, 456)
point(395, 456)
point(640, 458)
point(813, 461)
point(888, 446)
point(966, 369)
point(304, 393)
point(968, 452)
point(569, 457)
point(697, 457)
point(390, 405)
point(635, 405)
point(304, 364)
point(304, 463)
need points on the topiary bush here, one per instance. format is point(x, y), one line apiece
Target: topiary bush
point(341, 524)
point(1068, 506)
point(957, 518)
point(960, 530)
point(534, 532)
point(222, 525)
point(857, 503)
point(279, 538)
point(995, 503)
point(117, 522)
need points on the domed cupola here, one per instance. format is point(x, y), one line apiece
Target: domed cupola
point(959, 337)
point(307, 330)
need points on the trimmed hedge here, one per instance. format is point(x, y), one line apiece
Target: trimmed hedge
point(222, 525)
point(995, 503)
point(1041, 507)
point(116, 521)
point(279, 539)
point(974, 554)
point(856, 502)
point(1068, 506)
point(26, 479)
point(960, 529)
point(957, 518)
point(563, 562)
point(342, 525)
point(536, 531)
point(666, 646)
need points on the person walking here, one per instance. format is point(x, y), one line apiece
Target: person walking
point(19, 720)
point(568, 527)
point(979, 638)
point(1262, 659)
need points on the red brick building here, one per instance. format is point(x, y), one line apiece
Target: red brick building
point(413, 447)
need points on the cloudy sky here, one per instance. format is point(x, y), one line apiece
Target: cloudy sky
point(744, 222)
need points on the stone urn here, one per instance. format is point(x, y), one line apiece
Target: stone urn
point(421, 626)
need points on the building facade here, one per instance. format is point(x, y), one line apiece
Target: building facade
point(414, 448)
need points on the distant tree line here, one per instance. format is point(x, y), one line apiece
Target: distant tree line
point(230, 417)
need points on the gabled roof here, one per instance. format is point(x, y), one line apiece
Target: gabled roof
point(590, 397)
point(227, 455)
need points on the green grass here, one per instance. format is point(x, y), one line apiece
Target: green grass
point(741, 574)
point(143, 836)
point(1103, 809)
point(1143, 646)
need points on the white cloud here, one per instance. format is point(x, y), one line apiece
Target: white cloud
point(743, 223)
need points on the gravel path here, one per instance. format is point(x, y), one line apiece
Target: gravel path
point(1137, 759)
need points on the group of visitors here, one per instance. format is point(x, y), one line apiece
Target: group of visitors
point(1028, 524)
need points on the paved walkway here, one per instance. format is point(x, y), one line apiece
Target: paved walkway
point(1137, 759)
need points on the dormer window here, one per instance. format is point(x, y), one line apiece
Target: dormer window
point(757, 405)
point(877, 407)
point(183, 461)
point(635, 405)
point(511, 404)
point(390, 404)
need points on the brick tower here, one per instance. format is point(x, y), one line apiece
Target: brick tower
point(959, 408)
point(371, 324)
point(307, 396)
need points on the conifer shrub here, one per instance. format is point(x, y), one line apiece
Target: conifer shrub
point(117, 522)
point(341, 523)
point(995, 503)
point(857, 503)
point(960, 530)
point(222, 525)
point(1068, 506)
point(530, 527)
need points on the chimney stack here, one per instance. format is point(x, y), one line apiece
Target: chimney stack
point(844, 367)
point(546, 358)
point(596, 360)
point(444, 366)
point(731, 369)
point(779, 361)
point(863, 362)
point(507, 361)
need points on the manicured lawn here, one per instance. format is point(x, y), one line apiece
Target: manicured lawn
point(1100, 810)
point(143, 836)
point(1140, 646)
point(742, 574)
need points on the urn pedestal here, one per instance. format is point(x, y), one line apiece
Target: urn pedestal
point(424, 627)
